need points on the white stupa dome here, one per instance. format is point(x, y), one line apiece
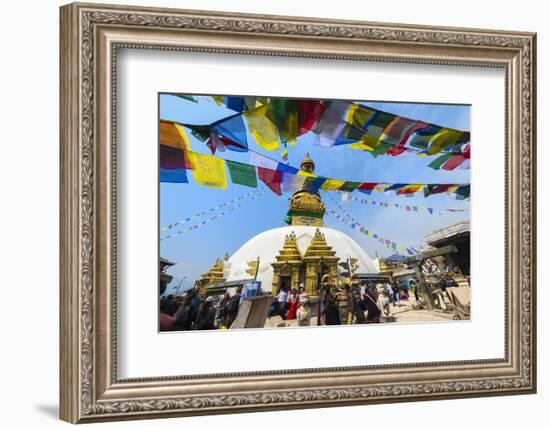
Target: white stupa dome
point(266, 245)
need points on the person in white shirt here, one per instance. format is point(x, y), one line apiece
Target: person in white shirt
point(282, 299)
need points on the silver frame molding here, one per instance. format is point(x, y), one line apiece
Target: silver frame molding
point(90, 37)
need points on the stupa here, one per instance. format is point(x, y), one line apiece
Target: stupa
point(300, 253)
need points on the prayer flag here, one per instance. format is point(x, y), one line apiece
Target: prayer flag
point(309, 113)
point(262, 161)
point(313, 184)
point(209, 170)
point(173, 175)
point(463, 192)
point(271, 178)
point(187, 97)
point(201, 132)
point(173, 165)
point(173, 135)
point(235, 103)
point(349, 186)
point(401, 133)
point(262, 129)
point(436, 189)
point(286, 168)
point(378, 123)
point(395, 187)
point(410, 189)
point(332, 123)
point(367, 187)
point(360, 116)
point(349, 135)
point(396, 130)
point(454, 162)
point(332, 184)
point(443, 139)
point(284, 115)
point(437, 163)
point(292, 182)
point(242, 174)
point(422, 137)
point(233, 128)
point(215, 143)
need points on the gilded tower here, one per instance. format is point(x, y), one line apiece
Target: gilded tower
point(288, 265)
point(306, 206)
point(214, 275)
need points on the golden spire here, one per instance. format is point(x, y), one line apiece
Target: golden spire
point(307, 165)
point(306, 206)
point(319, 247)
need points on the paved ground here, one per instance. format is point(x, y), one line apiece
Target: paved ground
point(404, 313)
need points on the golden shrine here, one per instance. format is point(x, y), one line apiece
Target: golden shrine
point(214, 275)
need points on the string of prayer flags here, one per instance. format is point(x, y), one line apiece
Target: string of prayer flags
point(353, 223)
point(279, 177)
point(272, 121)
point(208, 220)
point(357, 226)
point(405, 207)
point(209, 170)
point(215, 208)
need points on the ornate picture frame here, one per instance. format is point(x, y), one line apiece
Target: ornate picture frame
point(90, 37)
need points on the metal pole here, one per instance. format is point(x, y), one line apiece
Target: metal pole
point(319, 273)
point(181, 281)
point(257, 269)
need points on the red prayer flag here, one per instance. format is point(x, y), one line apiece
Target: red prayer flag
point(400, 147)
point(271, 178)
point(367, 185)
point(309, 112)
point(454, 162)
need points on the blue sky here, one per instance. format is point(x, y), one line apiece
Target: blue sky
point(195, 251)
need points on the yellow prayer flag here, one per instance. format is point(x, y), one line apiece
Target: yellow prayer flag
point(174, 135)
point(262, 129)
point(332, 184)
point(367, 143)
point(443, 139)
point(409, 189)
point(209, 170)
point(292, 128)
point(307, 174)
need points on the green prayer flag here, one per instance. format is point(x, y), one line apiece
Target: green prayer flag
point(187, 97)
point(201, 132)
point(242, 174)
point(382, 120)
point(437, 163)
point(349, 186)
point(381, 148)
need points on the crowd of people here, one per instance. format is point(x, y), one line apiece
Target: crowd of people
point(352, 304)
point(194, 312)
point(356, 303)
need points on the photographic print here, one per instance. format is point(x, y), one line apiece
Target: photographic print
point(287, 212)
